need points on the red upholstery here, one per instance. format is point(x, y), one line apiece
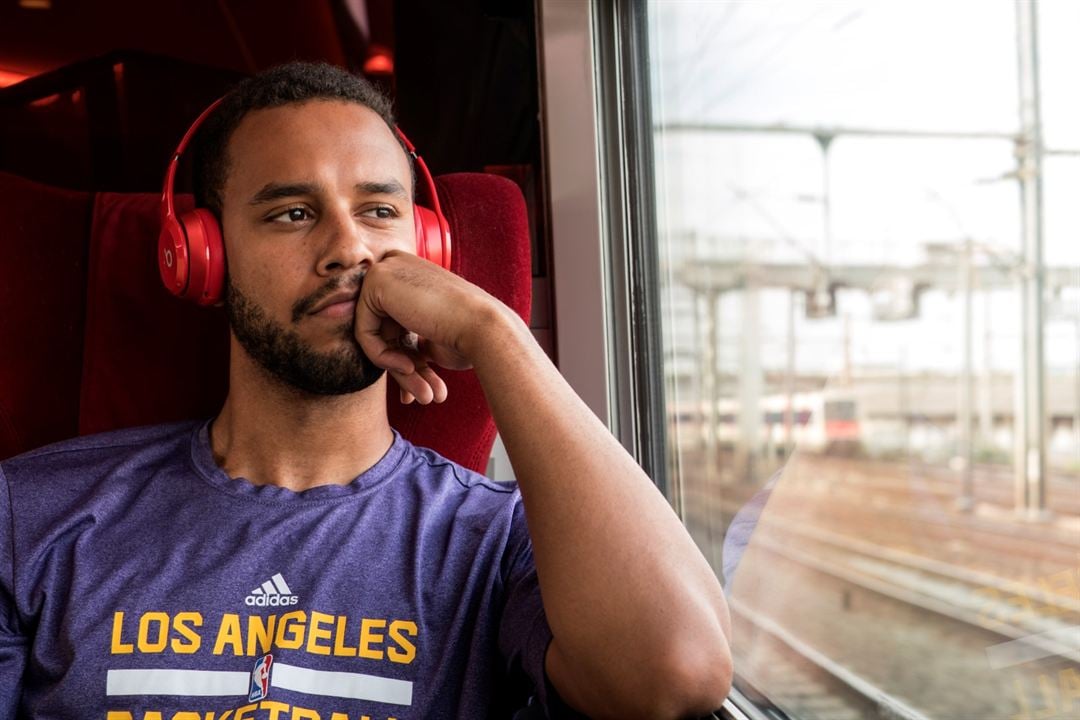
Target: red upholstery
point(139, 356)
point(42, 287)
point(148, 357)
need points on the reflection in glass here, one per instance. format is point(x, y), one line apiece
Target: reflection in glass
point(872, 327)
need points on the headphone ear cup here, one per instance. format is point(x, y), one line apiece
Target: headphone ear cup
point(205, 256)
point(429, 237)
point(172, 256)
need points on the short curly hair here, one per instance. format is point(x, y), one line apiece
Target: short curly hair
point(287, 84)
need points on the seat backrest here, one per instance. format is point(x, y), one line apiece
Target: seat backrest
point(130, 354)
point(42, 295)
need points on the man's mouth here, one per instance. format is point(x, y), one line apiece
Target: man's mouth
point(334, 301)
point(337, 309)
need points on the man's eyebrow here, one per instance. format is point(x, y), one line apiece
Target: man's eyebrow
point(389, 187)
point(276, 191)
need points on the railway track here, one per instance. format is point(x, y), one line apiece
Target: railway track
point(915, 513)
point(901, 540)
point(1003, 547)
point(815, 687)
point(993, 485)
point(982, 635)
point(1040, 625)
point(831, 677)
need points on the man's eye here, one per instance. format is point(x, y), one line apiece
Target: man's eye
point(383, 212)
point(292, 215)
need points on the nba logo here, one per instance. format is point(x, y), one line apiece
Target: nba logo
point(260, 678)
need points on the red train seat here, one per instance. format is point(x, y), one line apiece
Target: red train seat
point(90, 340)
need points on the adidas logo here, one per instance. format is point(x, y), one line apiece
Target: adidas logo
point(274, 592)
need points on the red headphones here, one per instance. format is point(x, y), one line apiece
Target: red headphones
point(191, 254)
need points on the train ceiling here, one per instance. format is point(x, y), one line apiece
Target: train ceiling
point(243, 35)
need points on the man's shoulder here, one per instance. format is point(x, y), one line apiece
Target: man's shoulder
point(86, 452)
point(443, 483)
point(430, 462)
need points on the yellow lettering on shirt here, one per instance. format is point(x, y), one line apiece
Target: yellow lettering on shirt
point(405, 652)
point(244, 713)
point(368, 636)
point(290, 630)
point(317, 632)
point(118, 646)
point(260, 635)
point(229, 634)
point(184, 623)
point(299, 713)
point(340, 648)
point(119, 714)
point(275, 708)
point(153, 632)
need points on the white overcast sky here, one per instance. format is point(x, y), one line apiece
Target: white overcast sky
point(945, 65)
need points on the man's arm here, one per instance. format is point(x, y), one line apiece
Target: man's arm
point(639, 618)
point(13, 645)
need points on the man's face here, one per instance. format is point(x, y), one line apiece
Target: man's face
point(315, 193)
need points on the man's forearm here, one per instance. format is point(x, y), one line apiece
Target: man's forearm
point(635, 609)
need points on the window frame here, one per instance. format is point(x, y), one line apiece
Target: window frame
point(598, 149)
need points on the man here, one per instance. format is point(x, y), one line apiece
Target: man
point(294, 557)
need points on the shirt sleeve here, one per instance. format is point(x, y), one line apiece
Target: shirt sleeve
point(13, 642)
point(524, 634)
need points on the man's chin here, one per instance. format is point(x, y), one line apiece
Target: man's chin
point(318, 358)
point(325, 384)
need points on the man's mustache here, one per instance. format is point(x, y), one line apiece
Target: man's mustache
point(306, 304)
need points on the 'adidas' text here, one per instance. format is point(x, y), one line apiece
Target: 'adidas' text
point(274, 592)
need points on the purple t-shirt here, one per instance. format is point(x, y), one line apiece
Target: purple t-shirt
point(137, 580)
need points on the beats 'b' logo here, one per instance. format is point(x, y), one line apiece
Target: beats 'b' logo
point(260, 678)
point(168, 258)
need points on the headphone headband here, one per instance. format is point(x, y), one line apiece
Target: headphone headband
point(167, 204)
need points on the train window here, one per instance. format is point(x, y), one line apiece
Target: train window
point(869, 301)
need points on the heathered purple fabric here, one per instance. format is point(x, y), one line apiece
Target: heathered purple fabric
point(418, 571)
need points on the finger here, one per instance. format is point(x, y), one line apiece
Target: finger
point(423, 385)
point(392, 360)
point(392, 333)
point(415, 384)
point(377, 344)
point(436, 383)
point(381, 353)
point(406, 396)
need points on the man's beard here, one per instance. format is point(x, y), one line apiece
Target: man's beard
point(286, 357)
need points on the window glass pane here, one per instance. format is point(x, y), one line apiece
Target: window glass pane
point(1058, 20)
point(862, 250)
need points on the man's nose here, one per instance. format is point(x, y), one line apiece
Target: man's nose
point(345, 244)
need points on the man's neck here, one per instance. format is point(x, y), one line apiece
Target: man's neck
point(272, 434)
